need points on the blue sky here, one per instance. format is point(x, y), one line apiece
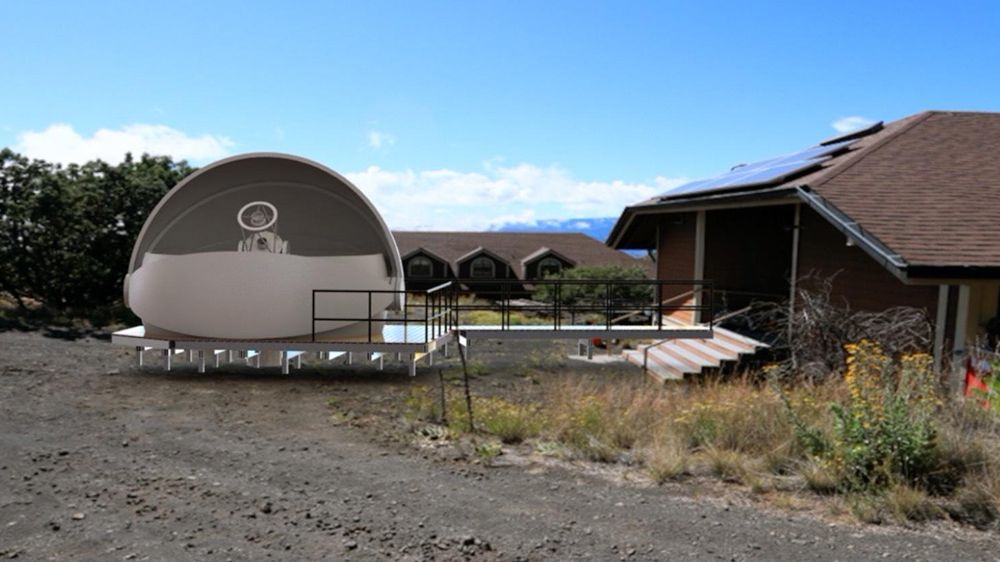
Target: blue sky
point(517, 110)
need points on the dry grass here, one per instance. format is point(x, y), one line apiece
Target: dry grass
point(667, 459)
point(820, 477)
point(739, 432)
point(906, 503)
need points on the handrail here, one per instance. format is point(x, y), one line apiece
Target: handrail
point(663, 302)
point(729, 315)
point(724, 317)
point(601, 304)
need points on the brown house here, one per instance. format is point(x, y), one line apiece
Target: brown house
point(906, 213)
point(485, 257)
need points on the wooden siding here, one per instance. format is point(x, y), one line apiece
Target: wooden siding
point(675, 257)
point(748, 253)
point(862, 281)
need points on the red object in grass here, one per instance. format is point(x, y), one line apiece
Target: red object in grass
point(973, 383)
point(597, 342)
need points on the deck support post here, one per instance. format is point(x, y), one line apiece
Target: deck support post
point(462, 352)
point(350, 358)
point(381, 364)
point(590, 349)
point(413, 364)
point(298, 361)
point(430, 358)
point(446, 350)
point(168, 355)
point(138, 357)
point(284, 362)
point(201, 360)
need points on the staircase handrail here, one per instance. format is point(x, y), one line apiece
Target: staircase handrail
point(663, 302)
point(715, 321)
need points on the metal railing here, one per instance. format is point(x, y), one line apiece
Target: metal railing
point(555, 303)
point(596, 302)
point(434, 313)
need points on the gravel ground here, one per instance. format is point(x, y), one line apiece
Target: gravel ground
point(100, 462)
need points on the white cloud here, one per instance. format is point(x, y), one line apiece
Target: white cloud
point(851, 123)
point(380, 139)
point(61, 143)
point(521, 194)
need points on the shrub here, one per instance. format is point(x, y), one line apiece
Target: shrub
point(812, 335)
point(885, 429)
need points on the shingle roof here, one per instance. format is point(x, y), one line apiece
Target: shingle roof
point(514, 247)
point(927, 187)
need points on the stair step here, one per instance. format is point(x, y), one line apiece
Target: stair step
point(658, 371)
point(678, 356)
point(707, 355)
point(672, 361)
point(729, 346)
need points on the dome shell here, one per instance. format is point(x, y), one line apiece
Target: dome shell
point(321, 212)
point(200, 267)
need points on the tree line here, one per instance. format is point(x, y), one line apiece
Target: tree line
point(66, 232)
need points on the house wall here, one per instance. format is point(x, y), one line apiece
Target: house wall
point(862, 281)
point(748, 253)
point(675, 259)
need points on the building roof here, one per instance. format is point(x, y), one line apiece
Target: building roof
point(922, 192)
point(516, 248)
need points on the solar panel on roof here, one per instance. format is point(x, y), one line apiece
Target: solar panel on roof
point(763, 172)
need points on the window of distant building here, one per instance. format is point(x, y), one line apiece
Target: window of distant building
point(549, 266)
point(482, 267)
point(420, 266)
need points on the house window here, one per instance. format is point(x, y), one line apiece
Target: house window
point(482, 267)
point(549, 266)
point(420, 266)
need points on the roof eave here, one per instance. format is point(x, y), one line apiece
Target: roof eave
point(694, 203)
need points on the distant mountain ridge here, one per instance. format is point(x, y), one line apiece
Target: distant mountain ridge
point(595, 228)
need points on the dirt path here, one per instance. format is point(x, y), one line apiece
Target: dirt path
point(100, 463)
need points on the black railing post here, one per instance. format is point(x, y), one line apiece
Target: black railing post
point(607, 306)
point(556, 303)
point(314, 316)
point(427, 300)
point(659, 305)
point(369, 316)
point(711, 307)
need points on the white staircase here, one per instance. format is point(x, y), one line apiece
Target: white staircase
point(673, 359)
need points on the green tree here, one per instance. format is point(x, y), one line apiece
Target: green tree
point(66, 233)
point(630, 292)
